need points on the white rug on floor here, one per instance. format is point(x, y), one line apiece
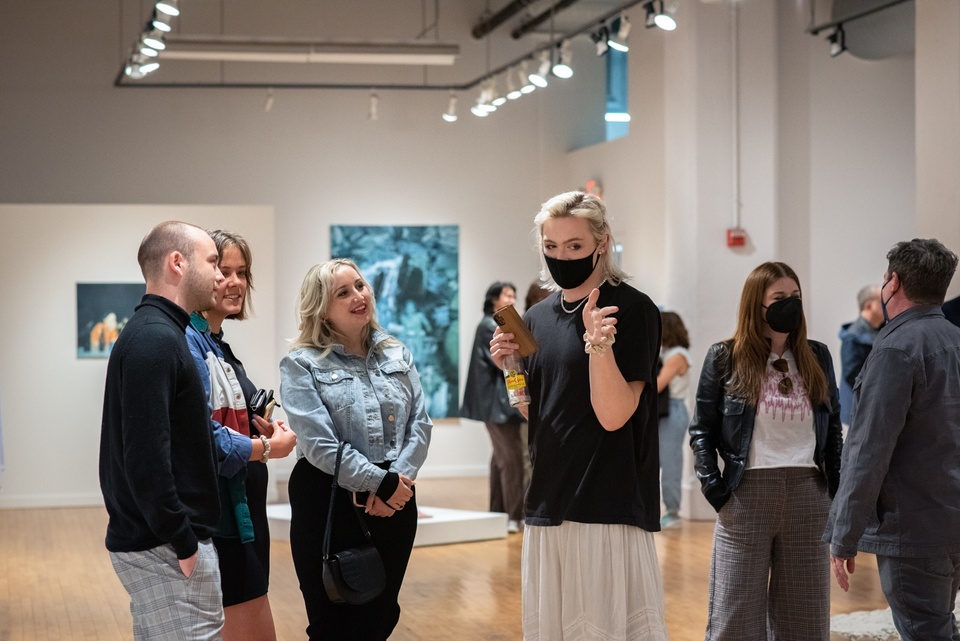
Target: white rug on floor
point(867, 625)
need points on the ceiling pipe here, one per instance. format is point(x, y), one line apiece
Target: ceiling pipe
point(484, 27)
point(536, 21)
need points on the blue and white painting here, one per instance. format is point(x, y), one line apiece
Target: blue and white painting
point(415, 277)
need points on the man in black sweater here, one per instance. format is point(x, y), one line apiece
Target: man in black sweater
point(158, 470)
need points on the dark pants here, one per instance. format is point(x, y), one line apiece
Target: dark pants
point(506, 470)
point(393, 536)
point(922, 593)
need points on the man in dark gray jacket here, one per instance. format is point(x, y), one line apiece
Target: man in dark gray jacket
point(899, 495)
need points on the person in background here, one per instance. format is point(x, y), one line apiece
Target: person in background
point(856, 339)
point(673, 427)
point(535, 294)
point(245, 441)
point(346, 380)
point(767, 406)
point(589, 563)
point(899, 495)
point(158, 467)
point(485, 399)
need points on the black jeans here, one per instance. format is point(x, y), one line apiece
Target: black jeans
point(393, 537)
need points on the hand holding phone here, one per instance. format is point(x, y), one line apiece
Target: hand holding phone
point(510, 322)
point(262, 404)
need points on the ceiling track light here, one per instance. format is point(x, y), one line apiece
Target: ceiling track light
point(562, 68)
point(160, 22)
point(450, 115)
point(838, 41)
point(600, 39)
point(268, 102)
point(154, 40)
point(169, 7)
point(373, 109)
point(497, 99)
point(526, 86)
point(539, 77)
point(512, 92)
point(618, 34)
point(664, 17)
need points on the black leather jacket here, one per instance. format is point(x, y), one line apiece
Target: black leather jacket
point(723, 425)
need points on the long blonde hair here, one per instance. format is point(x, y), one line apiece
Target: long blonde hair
point(313, 306)
point(751, 349)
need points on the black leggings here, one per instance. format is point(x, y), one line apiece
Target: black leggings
point(309, 490)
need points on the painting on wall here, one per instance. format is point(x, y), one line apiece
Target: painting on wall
point(102, 311)
point(415, 277)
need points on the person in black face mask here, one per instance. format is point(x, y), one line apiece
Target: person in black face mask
point(593, 501)
point(767, 404)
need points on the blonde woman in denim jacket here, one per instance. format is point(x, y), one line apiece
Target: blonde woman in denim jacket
point(346, 380)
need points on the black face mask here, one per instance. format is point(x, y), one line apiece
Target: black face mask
point(570, 274)
point(785, 316)
point(883, 303)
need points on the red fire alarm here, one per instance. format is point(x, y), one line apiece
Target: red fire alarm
point(736, 237)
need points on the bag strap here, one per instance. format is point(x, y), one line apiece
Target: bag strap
point(333, 495)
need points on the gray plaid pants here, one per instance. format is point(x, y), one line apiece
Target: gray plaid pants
point(167, 605)
point(770, 573)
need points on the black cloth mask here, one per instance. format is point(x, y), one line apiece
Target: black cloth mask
point(785, 315)
point(570, 274)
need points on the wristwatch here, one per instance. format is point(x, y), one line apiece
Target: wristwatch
point(266, 449)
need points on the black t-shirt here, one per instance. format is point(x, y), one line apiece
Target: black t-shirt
point(581, 472)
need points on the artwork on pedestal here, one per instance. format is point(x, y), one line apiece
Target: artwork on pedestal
point(102, 311)
point(414, 273)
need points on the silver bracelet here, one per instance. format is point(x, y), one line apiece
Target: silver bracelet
point(266, 448)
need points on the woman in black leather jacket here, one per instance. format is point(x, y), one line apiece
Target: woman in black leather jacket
point(767, 406)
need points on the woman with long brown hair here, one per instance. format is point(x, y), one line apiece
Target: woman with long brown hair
point(767, 405)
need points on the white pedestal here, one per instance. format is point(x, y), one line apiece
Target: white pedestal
point(440, 526)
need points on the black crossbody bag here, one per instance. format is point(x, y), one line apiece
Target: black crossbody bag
point(354, 576)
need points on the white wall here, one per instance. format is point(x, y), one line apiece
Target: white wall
point(51, 399)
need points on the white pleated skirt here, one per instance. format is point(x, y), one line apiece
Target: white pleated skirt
point(591, 582)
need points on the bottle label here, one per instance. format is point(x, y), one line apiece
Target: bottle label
point(515, 381)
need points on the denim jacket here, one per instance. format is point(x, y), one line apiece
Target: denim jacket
point(723, 425)
point(375, 404)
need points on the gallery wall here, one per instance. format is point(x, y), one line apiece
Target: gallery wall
point(51, 398)
point(830, 183)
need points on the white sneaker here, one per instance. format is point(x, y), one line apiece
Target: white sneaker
point(513, 526)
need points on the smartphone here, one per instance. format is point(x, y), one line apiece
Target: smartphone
point(510, 322)
point(262, 403)
point(268, 410)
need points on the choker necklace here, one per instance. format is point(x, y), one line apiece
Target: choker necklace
point(582, 300)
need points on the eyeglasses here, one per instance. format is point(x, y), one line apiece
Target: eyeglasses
point(785, 386)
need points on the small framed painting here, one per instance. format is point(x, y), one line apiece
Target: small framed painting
point(102, 311)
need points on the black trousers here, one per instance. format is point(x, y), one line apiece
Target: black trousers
point(309, 490)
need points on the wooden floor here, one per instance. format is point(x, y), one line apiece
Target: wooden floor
point(56, 582)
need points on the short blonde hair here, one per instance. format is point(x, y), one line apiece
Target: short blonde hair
point(591, 209)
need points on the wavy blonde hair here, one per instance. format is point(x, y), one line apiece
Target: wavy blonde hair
point(313, 307)
point(591, 209)
point(751, 348)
